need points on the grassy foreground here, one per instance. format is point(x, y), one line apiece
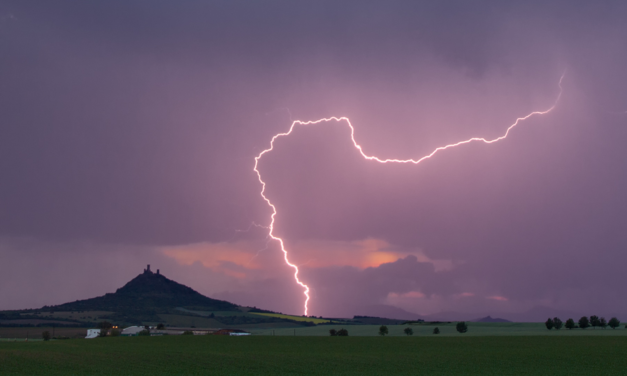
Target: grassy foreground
point(263, 355)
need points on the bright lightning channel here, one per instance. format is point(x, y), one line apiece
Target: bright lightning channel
point(371, 158)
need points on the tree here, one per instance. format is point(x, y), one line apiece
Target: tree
point(342, 333)
point(383, 330)
point(583, 322)
point(160, 326)
point(557, 323)
point(570, 324)
point(46, 335)
point(594, 321)
point(104, 325)
point(602, 323)
point(462, 327)
point(614, 323)
point(333, 332)
point(409, 331)
point(436, 330)
point(549, 323)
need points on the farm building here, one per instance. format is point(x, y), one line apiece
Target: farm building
point(181, 330)
point(232, 332)
point(93, 333)
point(132, 331)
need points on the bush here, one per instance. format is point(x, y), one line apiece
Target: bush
point(583, 322)
point(188, 333)
point(557, 323)
point(342, 333)
point(570, 324)
point(144, 333)
point(115, 333)
point(104, 325)
point(436, 330)
point(462, 327)
point(409, 331)
point(383, 330)
point(103, 333)
point(46, 335)
point(160, 326)
point(333, 332)
point(549, 323)
point(614, 323)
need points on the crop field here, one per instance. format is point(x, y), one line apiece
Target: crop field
point(446, 330)
point(295, 318)
point(21, 333)
point(264, 355)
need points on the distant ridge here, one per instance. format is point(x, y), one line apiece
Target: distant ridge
point(490, 319)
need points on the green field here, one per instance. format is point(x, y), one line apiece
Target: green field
point(446, 330)
point(263, 355)
point(291, 317)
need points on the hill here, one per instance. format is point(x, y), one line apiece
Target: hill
point(490, 319)
point(149, 299)
point(149, 291)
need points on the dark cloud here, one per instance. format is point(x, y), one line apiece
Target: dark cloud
point(132, 123)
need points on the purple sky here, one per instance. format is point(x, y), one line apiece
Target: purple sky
point(129, 129)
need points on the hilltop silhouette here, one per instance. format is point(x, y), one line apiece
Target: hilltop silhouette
point(149, 291)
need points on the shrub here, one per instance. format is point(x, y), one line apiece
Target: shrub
point(583, 322)
point(570, 324)
point(409, 331)
point(557, 323)
point(144, 332)
point(103, 333)
point(549, 323)
point(436, 330)
point(45, 335)
point(342, 333)
point(333, 332)
point(104, 325)
point(462, 327)
point(115, 333)
point(383, 330)
point(160, 326)
point(188, 333)
point(614, 323)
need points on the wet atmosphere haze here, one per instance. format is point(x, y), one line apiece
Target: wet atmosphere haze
point(128, 132)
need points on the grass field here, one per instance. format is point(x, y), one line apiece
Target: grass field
point(290, 317)
point(262, 355)
point(446, 330)
point(35, 332)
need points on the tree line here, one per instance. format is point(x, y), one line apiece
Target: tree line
point(583, 323)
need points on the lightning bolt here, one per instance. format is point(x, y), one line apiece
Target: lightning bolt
point(371, 158)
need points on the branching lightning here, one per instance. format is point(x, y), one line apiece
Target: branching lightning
point(368, 157)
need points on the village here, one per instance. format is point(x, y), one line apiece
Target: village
point(160, 330)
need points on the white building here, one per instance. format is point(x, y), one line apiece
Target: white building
point(93, 333)
point(132, 330)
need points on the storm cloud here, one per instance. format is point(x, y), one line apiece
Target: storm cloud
point(129, 130)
